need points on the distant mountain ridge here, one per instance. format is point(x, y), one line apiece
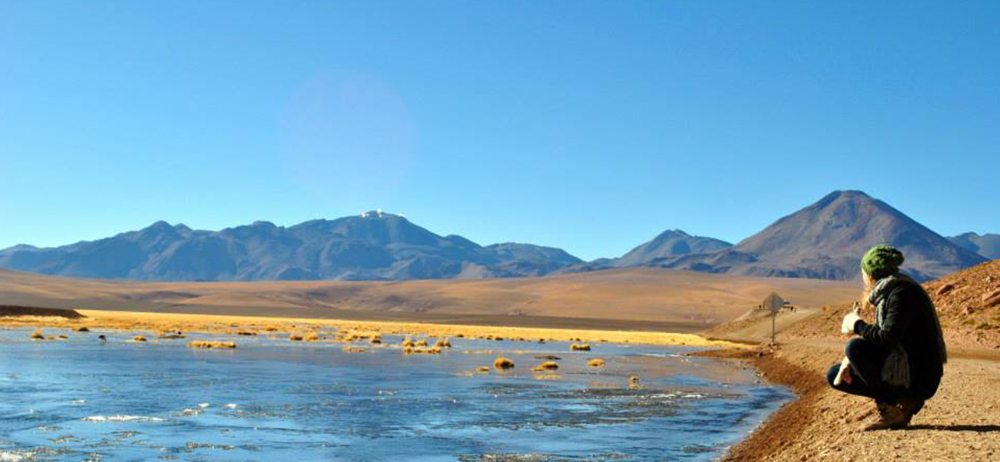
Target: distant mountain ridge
point(372, 246)
point(825, 240)
point(669, 244)
point(987, 245)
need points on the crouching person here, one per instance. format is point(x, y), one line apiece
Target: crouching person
point(899, 360)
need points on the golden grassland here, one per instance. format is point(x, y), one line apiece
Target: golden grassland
point(310, 329)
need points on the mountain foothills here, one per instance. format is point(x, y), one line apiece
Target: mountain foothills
point(822, 241)
point(373, 246)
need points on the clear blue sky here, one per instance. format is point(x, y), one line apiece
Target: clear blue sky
point(592, 126)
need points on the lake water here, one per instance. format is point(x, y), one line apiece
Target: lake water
point(272, 399)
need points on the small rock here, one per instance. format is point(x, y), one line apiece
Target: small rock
point(945, 289)
point(992, 298)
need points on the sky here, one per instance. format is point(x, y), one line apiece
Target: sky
point(590, 126)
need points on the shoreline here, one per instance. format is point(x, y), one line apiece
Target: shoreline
point(784, 425)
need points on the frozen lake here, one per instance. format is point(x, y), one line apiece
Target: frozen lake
point(272, 399)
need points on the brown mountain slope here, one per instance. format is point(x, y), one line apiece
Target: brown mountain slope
point(830, 236)
point(640, 295)
point(825, 240)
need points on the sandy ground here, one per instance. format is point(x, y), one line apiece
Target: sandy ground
point(151, 324)
point(961, 422)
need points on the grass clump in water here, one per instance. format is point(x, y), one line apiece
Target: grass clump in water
point(546, 366)
point(596, 362)
point(579, 347)
point(503, 363)
point(212, 345)
point(139, 338)
point(37, 335)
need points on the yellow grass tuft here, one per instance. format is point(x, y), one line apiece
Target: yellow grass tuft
point(212, 345)
point(353, 349)
point(579, 347)
point(596, 362)
point(82, 329)
point(407, 343)
point(443, 343)
point(420, 343)
point(546, 366)
point(633, 382)
point(483, 369)
point(138, 338)
point(295, 338)
point(311, 337)
point(170, 335)
point(503, 363)
point(407, 350)
point(245, 332)
point(37, 335)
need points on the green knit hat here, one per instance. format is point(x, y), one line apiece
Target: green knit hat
point(881, 261)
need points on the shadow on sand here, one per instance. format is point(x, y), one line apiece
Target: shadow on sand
point(958, 428)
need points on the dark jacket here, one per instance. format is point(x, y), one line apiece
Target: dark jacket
point(910, 320)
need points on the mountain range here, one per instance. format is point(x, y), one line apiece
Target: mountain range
point(372, 246)
point(822, 241)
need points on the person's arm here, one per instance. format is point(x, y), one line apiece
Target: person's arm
point(896, 321)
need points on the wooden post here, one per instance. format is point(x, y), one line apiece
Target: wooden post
point(774, 302)
point(774, 321)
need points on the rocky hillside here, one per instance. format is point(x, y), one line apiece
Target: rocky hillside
point(373, 246)
point(969, 303)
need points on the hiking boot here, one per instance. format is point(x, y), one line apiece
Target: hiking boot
point(890, 417)
point(910, 407)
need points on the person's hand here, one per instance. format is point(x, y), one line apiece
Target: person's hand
point(850, 319)
point(844, 374)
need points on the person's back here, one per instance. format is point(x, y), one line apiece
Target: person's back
point(919, 336)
